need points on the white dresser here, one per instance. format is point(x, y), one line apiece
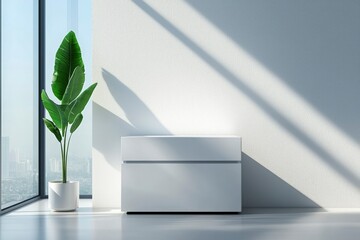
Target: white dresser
point(181, 174)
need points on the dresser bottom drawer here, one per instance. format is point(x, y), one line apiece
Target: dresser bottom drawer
point(181, 187)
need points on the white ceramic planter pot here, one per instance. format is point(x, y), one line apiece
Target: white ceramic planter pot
point(63, 196)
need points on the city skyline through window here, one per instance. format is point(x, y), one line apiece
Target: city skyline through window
point(19, 101)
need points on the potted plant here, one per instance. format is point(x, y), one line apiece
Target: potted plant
point(68, 81)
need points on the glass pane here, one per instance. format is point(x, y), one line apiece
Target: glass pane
point(61, 17)
point(19, 101)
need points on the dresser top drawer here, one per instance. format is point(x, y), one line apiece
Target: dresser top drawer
point(181, 148)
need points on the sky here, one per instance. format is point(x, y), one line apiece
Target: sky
point(18, 73)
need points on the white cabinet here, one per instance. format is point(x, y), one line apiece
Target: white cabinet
point(181, 174)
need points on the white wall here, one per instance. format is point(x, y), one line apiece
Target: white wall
point(284, 75)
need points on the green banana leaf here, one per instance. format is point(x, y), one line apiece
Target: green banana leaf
point(54, 110)
point(67, 58)
point(74, 86)
point(76, 123)
point(78, 105)
point(51, 126)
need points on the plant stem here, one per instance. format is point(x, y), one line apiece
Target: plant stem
point(64, 155)
point(67, 148)
point(64, 158)
point(63, 163)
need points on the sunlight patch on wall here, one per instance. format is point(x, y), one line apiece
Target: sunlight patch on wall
point(334, 151)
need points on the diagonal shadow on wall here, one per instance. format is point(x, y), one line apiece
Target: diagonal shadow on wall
point(142, 120)
point(257, 180)
point(138, 114)
point(261, 187)
point(329, 159)
point(305, 43)
point(107, 140)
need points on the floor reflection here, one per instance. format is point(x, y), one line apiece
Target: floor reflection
point(36, 222)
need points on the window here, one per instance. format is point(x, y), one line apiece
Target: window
point(61, 17)
point(19, 101)
point(19, 80)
